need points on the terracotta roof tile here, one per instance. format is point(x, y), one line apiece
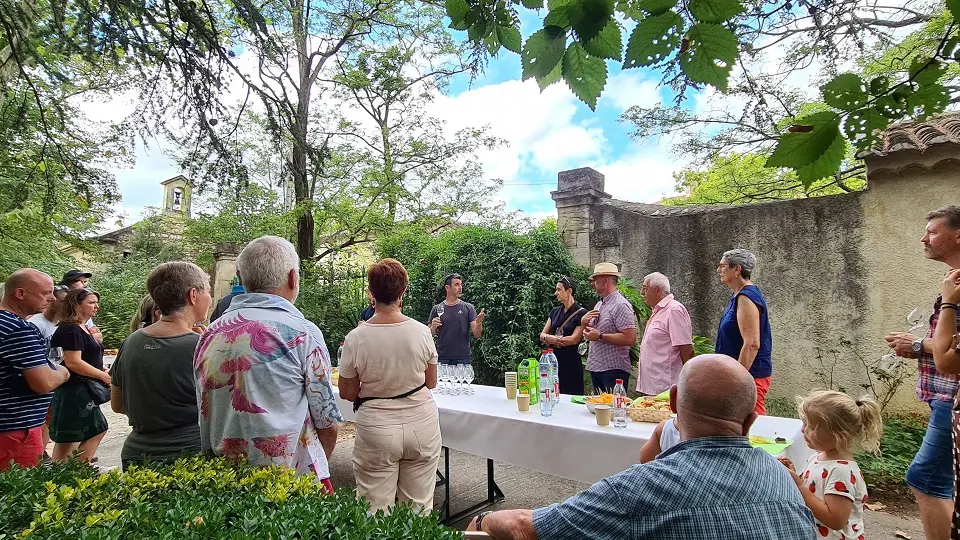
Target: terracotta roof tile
point(917, 136)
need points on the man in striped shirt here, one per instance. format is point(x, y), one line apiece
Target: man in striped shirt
point(27, 378)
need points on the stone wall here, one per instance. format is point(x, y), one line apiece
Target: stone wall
point(838, 272)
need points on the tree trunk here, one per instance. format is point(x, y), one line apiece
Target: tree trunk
point(301, 185)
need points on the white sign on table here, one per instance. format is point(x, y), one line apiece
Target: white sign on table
point(568, 444)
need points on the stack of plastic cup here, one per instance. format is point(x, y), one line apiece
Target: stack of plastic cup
point(510, 382)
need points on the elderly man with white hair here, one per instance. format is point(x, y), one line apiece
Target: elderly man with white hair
point(263, 371)
point(667, 339)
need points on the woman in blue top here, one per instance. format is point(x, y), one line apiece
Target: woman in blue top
point(744, 331)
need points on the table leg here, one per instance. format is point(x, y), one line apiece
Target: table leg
point(494, 493)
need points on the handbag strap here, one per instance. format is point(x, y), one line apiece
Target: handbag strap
point(564, 323)
point(361, 400)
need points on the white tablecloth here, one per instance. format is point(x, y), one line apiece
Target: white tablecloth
point(568, 444)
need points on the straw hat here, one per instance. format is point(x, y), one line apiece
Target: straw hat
point(605, 269)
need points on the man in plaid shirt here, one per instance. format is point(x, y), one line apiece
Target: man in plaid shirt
point(930, 476)
point(611, 329)
point(711, 485)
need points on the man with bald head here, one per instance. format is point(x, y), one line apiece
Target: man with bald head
point(27, 378)
point(711, 485)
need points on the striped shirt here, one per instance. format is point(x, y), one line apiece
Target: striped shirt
point(21, 348)
point(711, 487)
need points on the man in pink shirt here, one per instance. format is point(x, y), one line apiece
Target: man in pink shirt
point(667, 340)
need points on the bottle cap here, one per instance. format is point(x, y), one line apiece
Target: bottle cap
point(545, 351)
point(550, 350)
point(619, 381)
point(341, 344)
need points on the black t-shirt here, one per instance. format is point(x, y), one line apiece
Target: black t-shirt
point(70, 337)
point(367, 313)
point(559, 315)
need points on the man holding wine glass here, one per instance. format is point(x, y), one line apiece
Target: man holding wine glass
point(453, 321)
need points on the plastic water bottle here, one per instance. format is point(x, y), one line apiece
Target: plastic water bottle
point(546, 385)
point(620, 404)
point(339, 354)
point(555, 368)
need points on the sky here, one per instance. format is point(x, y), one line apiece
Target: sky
point(547, 133)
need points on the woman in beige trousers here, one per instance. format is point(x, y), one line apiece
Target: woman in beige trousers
point(388, 367)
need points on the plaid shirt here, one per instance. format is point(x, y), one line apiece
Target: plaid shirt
point(616, 315)
point(713, 487)
point(932, 385)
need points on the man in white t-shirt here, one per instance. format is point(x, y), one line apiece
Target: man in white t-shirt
point(46, 322)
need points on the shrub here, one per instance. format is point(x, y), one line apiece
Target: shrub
point(901, 440)
point(193, 498)
point(512, 276)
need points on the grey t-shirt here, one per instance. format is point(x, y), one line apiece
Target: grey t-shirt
point(453, 339)
point(155, 378)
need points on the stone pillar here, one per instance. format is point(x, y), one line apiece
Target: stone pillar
point(577, 191)
point(224, 270)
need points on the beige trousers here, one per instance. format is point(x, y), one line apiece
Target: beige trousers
point(397, 461)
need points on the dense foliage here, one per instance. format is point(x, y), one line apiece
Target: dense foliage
point(511, 276)
point(193, 498)
point(901, 440)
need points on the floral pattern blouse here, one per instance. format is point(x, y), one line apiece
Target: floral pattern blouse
point(263, 386)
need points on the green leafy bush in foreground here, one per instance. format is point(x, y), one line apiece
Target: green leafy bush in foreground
point(902, 436)
point(193, 498)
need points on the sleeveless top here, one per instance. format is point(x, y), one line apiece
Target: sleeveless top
point(729, 340)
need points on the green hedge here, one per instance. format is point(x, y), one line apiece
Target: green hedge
point(193, 498)
point(512, 276)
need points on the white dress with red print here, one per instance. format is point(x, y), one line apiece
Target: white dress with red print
point(837, 477)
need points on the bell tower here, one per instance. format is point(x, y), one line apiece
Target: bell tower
point(176, 196)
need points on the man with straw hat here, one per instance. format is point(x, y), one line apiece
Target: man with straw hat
point(611, 329)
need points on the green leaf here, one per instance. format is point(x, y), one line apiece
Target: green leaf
point(653, 40)
point(457, 10)
point(954, 7)
point(589, 17)
point(543, 51)
point(928, 100)
point(845, 92)
point(42, 166)
point(715, 11)
point(608, 43)
point(533, 4)
point(861, 127)
point(509, 37)
point(553, 77)
point(925, 71)
point(879, 85)
point(713, 49)
point(813, 153)
point(557, 17)
point(656, 7)
point(585, 75)
point(479, 31)
point(554, 4)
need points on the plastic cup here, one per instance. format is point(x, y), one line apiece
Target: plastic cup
point(604, 414)
point(510, 383)
point(523, 402)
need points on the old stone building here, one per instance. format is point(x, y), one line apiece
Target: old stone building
point(839, 272)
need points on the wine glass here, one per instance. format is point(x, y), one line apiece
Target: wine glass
point(915, 320)
point(468, 374)
point(56, 355)
point(440, 309)
point(461, 378)
point(442, 370)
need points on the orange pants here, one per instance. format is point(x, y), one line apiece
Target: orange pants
point(21, 446)
point(763, 385)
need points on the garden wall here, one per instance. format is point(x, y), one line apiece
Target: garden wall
point(838, 272)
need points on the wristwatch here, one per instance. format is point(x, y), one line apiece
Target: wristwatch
point(480, 517)
point(917, 347)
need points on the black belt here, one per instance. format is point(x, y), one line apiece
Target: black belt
point(361, 400)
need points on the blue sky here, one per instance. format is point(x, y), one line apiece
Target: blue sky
point(547, 132)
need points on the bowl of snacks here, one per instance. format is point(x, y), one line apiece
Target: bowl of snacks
point(648, 409)
point(600, 399)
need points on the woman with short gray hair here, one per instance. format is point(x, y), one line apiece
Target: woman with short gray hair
point(744, 331)
point(152, 377)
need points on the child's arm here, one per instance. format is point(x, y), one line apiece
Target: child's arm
point(833, 510)
point(651, 448)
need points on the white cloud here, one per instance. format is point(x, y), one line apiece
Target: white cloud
point(642, 174)
point(629, 88)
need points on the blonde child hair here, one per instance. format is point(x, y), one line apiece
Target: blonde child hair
point(856, 423)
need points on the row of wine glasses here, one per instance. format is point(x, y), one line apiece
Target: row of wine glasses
point(452, 378)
